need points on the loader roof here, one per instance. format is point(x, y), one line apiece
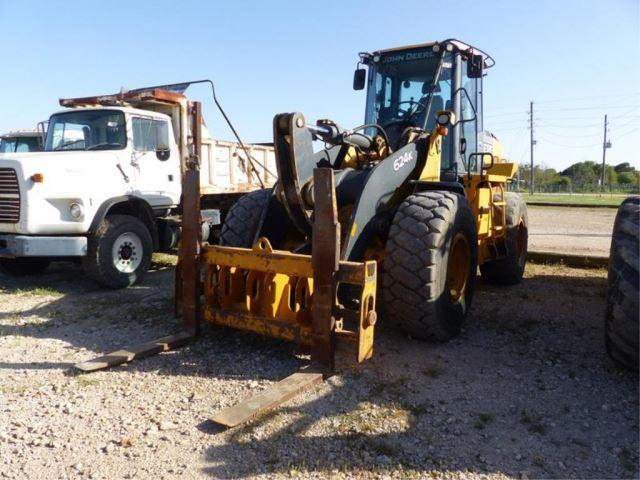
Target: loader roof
point(457, 44)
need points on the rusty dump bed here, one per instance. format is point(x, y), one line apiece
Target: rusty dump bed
point(133, 98)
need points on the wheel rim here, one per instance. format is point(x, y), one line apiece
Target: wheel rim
point(520, 239)
point(458, 267)
point(127, 252)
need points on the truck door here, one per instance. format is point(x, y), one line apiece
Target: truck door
point(156, 161)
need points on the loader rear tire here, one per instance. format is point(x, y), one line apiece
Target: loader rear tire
point(20, 267)
point(509, 270)
point(242, 221)
point(621, 321)
point(430, 265)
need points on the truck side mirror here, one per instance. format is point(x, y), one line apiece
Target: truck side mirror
point(359, 78)
point(163, 153)
point(463, 146)
point(475, 64)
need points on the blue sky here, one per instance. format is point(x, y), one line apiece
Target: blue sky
point(577, 60)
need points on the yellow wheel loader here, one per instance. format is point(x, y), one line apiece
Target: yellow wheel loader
point(388, 220)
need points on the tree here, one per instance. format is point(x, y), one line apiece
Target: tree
point(584, 175)
point(624, 167)
point(627, 178)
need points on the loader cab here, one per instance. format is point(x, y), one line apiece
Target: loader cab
point(406, 87)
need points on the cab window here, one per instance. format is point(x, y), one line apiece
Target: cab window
point(469, 111)
point(149, 134)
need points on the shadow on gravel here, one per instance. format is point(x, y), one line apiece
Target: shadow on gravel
point(526, 390)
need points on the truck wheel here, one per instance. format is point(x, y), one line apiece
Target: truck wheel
point(241, 223)
point(19, 267)
point(119, 252)
point(430, 265)
point(621, 321)
point(509, 270)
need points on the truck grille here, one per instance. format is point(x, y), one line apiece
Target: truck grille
point(9, 196)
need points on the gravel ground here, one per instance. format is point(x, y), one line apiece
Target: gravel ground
point(584, 231)
point(525, 391)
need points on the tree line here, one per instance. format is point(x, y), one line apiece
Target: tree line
point(582, 177)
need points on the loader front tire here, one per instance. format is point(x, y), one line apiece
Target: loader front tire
point(430, 265)
point(621, 320)
point(243, 219)
point(509, 270)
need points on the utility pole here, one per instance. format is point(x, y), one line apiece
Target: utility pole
point(533, 142)
point(605, 145)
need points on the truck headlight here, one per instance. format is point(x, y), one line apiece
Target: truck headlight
point(76, 211)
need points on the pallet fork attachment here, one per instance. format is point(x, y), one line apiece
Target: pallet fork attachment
point(187, 272)
point(293, 297)
point(270, 292)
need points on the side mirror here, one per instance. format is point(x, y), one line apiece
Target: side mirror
point(359, 78)
point(475, 63)
point(163, 153)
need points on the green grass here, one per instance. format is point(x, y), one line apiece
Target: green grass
point(39, 291)
point(577, 198)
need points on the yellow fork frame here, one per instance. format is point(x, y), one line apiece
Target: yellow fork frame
point(270, 292)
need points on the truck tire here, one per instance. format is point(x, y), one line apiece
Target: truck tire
point(119, 252)
point(242, 220)
point(509, 270)
point(19, 267)
point(430, 265)
point(621, 320)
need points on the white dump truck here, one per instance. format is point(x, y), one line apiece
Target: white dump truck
point(106, 187)
point(19, 141)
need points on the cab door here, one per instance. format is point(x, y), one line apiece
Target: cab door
point(156, 161)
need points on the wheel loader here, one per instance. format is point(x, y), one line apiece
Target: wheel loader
point(390, 220)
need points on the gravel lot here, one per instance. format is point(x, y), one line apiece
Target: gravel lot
point(525, 391)
point(584, 231)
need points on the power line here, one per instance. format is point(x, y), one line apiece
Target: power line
point(607, 107)
point(591, 97)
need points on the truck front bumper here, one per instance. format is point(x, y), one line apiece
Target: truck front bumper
point(12, 246)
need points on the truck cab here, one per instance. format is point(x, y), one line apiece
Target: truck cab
point(21, 141)
point(105, 188)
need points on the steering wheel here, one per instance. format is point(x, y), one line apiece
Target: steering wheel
point(402, 113)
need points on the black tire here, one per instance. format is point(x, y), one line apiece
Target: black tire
point(241, 224)
point(20, 267)
point(108, 268)
point(621, 321)
point(416, 294)
point(509, 270)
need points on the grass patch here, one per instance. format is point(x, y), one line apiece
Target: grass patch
point(39, 291)
point(84, 381)
point(577, 199)
point(13, 389)
point(433, 371)
point(626, 460)
point(533, 421)
point(163, 260)
point(482, 421)
point(537, 460)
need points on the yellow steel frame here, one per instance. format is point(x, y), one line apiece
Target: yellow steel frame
point(270, 292)
point(486, 193)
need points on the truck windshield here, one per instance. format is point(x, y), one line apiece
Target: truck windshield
point(399, 89)
point(87, 130)
point(19, 144)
